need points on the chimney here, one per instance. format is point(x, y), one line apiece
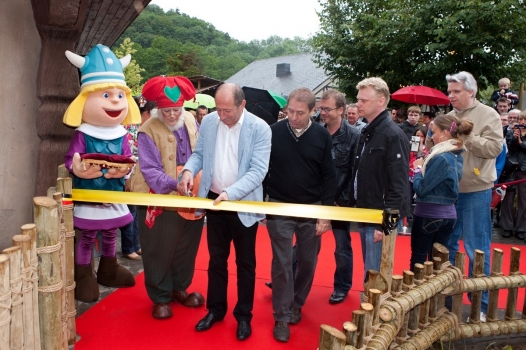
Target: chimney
point(282, 69)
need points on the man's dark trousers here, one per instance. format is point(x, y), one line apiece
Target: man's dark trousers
point(224, 227)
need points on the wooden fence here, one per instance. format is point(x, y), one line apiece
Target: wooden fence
point(37, 307)
point(411, 314)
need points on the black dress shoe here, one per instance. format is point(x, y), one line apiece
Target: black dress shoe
point(337, 297)
point(506, 234)
point(243, 330)
point(206, 322)
point(520, 235)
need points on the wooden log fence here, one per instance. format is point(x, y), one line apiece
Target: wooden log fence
point(412, 314)
point(37, 306)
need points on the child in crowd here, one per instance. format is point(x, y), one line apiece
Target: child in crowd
point(505, 91)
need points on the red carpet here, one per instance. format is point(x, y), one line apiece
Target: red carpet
point(123, 319)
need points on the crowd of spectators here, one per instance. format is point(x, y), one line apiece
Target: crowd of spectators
point(361, 154)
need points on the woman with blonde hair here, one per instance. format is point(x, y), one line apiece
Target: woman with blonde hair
point(436, 185)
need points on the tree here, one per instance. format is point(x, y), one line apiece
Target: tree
point(175, 43)
point(132, 73)
point(409, 42)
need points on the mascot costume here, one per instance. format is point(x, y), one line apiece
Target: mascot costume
point(99, 157)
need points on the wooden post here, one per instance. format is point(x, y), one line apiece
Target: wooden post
point(24, 242)
point(30, 230)
point(368, 309)
point(396, 285)
point(439, 251)
point(406, 286)
point(476, 297)
point(331, 338)
point(388, 249)
point(414, 314)
point(63, 172)
point(49, 274)
point(17, 317)
point(511, 304)
point(374, 300)
point(358, 318)
point(496, 270)
point(64, 185)
point(424, 308)
point(349, 329)
point(57, 196)
point(460, 261)
point(5, 302)
point(438, 298)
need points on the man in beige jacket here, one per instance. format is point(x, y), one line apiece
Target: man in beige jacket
point(482, 146)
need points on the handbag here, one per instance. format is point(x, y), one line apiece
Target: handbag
point(510, 166)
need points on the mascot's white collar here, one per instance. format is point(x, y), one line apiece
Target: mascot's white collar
point(103, 132)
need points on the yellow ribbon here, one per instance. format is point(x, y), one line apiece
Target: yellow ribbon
point(373, 216)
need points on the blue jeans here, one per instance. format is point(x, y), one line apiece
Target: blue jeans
point(130, 234)
point(343, 256)
point(424, 233)
point(372, 252)
point(474, 225)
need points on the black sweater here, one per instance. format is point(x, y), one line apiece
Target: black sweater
point(301, 169)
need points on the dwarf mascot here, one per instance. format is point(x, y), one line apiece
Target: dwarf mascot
point(99, 157)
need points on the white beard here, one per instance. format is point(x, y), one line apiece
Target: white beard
point(157, 113)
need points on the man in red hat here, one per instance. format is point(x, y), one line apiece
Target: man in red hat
point(169, 237)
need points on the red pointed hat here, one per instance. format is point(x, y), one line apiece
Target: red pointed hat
point(168, 91)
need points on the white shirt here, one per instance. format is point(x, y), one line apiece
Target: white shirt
point(226, 164)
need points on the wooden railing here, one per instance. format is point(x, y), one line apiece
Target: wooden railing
point(412, 313)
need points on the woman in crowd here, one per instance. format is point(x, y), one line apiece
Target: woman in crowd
point(513, 211)
point(436, 186)
point(130, 233)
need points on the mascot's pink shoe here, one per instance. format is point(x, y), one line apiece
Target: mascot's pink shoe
point(111, 274)
point(86, 288)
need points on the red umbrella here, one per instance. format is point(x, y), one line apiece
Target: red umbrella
point(422, 95)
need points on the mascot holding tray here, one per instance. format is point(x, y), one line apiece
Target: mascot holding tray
point(99, 157)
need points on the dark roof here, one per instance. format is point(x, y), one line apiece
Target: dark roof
point(261, 74)
point(203, 83)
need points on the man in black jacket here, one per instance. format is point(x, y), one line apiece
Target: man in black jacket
point(381, 166)
point(344, 142)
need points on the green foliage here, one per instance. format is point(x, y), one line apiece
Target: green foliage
point(174, 43)
point(132, 73)
point(409, 42)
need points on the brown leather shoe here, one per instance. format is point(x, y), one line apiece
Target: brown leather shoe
point(194, 299)
point(161, 311)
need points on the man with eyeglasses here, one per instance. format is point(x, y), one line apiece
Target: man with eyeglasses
point(513, 117)
point(344, 143)
point(301, 171)
point(169, 239)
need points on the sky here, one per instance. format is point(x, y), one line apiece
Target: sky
point(246, 20)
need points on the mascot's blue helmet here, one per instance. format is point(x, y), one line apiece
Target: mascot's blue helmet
point(100, 65)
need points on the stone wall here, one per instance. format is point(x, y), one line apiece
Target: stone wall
point(19, 59)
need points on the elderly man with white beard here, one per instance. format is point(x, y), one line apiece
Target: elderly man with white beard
point(169, 236)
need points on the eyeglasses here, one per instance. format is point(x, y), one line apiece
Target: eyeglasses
point(326, 109)
point(170, 111)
